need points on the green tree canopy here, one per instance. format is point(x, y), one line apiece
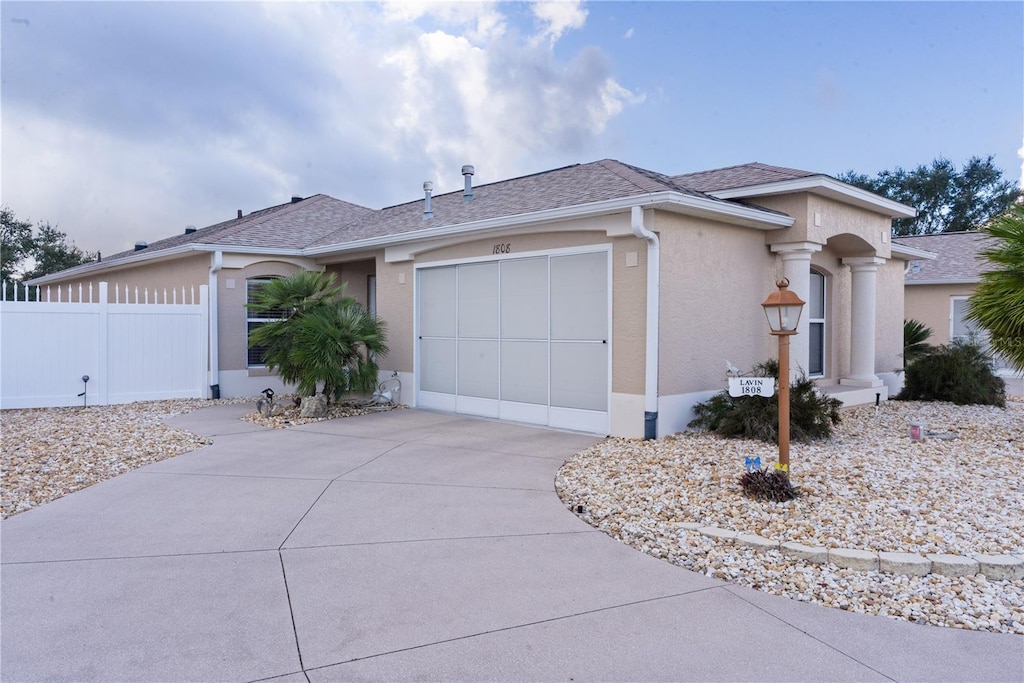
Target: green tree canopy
point(26, 253)
point(946, 199)
point(997, 305)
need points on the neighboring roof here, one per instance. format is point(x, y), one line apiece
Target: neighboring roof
point(956, 258)
point(742, 175)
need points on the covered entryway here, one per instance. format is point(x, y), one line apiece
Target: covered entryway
point(523, 339)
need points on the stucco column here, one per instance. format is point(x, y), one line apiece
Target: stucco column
point(864, 275)
point(796, 267)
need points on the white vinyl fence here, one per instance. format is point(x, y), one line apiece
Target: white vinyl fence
point(147, 345)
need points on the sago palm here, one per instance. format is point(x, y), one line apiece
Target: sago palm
point(325, 341)
point(998, 303)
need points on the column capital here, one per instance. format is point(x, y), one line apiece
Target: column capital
point(864, 263)
point(796, 249)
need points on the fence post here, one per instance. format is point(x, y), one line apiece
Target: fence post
point(103, 367)
point(204, 326)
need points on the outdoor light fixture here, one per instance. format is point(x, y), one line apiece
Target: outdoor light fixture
point(85, 381)
point(783, 309)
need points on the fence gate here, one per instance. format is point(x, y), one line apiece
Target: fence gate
point(155, 347)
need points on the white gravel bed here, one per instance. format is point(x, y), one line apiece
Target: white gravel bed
point(50, 452)
point(868, 488)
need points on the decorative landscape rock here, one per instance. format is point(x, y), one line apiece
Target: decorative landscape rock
point(313, 406)
point(270, 407)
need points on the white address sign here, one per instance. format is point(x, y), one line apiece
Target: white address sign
point(751, 386)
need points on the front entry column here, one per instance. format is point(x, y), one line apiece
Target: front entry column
point(864, 275)
point(796, 267)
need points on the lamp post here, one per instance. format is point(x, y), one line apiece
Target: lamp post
point(783, 309)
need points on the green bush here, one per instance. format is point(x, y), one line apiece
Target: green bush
point(960, 373)
point(811, 414)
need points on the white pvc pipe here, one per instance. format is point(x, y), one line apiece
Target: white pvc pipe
point(217, 262)
point(653, 310)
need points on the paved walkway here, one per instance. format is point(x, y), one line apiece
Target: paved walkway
point(395, 546)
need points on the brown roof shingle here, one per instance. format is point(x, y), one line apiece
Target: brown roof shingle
point(957, 257)
point(743, 175)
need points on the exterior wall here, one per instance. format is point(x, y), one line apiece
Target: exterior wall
point(930, 305)
point(713, 280)
point(355, 275)
point(188, 271)
point(889, 318)
point(837, 313)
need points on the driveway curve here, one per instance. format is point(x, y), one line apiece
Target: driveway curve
point(406, 545)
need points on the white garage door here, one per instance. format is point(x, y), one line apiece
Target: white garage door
point(522, 339)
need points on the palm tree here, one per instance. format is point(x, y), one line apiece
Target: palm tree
point(915, 340)
point(998, 303)
point(325, 340)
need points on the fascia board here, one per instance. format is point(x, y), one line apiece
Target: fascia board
point(162, 254)
point(730, 213)
point(945, 281)
point(825, 186)
point(914, 253)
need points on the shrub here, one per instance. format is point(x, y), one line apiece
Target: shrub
point(811, 414)
point(960, 373)
point(768, 485)
point(915, 340)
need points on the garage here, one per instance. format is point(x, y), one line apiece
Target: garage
point(522, 338)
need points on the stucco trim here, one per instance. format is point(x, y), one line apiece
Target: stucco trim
point(947, 281)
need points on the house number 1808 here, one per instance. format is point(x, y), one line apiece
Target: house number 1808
point(502, 248)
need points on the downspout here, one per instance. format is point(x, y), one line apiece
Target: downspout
point(218, 261)
point(653, 310)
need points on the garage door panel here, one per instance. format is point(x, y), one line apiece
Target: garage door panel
point(478, 368)
point(579, 296)
point(437, 302)
point(478, 300)
point(437, 365)
point(524, 299)
point(579, 375)
point(524, 371)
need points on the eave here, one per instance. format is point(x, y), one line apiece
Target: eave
point(826, 187)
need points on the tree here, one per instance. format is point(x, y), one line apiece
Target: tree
point(947, 200)
point(997, 305)
point(325, 339)
point(25, 254)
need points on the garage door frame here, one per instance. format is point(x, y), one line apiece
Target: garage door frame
point(597, 422)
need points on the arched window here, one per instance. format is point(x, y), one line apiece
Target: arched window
point(816, 319)
point(254, 319)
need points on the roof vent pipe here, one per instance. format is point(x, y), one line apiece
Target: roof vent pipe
point(467, 173)
point(139, 246)
point(428, 210)
point(239, 213)
point(189, 229)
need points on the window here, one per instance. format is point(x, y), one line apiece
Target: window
point(816, 320)
point(962, 330)
point(256, 318)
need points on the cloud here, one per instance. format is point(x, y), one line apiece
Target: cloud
point(128, 121)
point(555, 18)
point(629, 34)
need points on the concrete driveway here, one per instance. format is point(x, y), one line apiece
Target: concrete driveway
point(403, 545)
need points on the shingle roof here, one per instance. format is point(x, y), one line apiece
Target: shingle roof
point(743, 175)
point(285, 226)
point(957, 256)
point(561, 187)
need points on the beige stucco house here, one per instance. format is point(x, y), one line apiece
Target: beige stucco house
point(600, 297)
point(938, 286)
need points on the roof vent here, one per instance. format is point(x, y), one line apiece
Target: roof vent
point(296, 199)
point(239, 213)
point(428, 210)
point(467, 173)
point(189, 229)
point(139, 246)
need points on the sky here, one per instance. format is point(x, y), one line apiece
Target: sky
point(128, 121)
